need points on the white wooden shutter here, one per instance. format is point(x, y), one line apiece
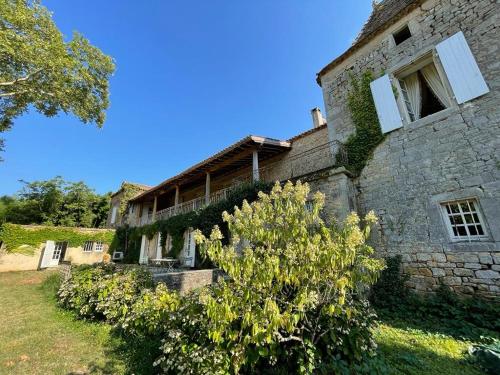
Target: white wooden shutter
point(47, 254)
point(158, 247)
point(113, 214)
point(143, 257)
point(385, 103)
point(461, 68)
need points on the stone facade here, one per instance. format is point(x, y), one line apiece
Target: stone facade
point(451, 155)
point(188, 280)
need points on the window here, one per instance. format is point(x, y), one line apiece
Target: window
point(464, 220)
point(401, 35)
point(99, 246)
point(421, 86)
point(422, 91)
point(59, 250)
point(87, 246)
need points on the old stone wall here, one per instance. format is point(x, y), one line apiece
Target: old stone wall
point(448, 156)
point(188, 280)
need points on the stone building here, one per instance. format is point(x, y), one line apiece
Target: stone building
point(127, 190)
point(434, 181)
point(309, 156)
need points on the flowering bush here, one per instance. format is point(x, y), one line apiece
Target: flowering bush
point(293, 300)
point(103, 292)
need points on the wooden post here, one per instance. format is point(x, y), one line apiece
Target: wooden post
point(255, 166)
point(176, 202)
point(207, 189)
point(139, 212)
point(155, 203)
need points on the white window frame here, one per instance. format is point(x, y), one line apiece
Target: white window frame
point(99, 246)
point(86, 245)
point(477, 210)
point(403, 72)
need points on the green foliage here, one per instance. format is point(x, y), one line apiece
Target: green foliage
point(56, 202)
point(459, 316)
point(367, 135)
point(293, 286)
point(18, 238)
point(128, 192)
point(390, 289)
point(204, 219)
point(103, 292)
point(40, 69)
point(487, 355)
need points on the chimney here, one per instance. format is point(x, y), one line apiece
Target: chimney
point(318, 118)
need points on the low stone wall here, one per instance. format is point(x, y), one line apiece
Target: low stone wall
point(465, 272)
point(188, 280)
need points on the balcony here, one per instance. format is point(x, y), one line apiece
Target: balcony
point(224, 174)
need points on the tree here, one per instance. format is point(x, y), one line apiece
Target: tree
point(56, 202)
point(39, 68)
point(294, 295)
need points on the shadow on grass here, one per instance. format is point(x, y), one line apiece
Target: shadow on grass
point(136, 354)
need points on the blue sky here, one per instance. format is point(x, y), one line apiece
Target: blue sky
point(192, 77)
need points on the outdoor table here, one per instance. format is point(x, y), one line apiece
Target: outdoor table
point(168, 262)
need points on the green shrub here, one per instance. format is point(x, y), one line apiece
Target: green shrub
point(290, 299)
point(390, 290)
point(457, 315)
point(119, 291)
point(101, 291)
point(151, 312)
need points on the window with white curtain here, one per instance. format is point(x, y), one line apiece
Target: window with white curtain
point(422, 91)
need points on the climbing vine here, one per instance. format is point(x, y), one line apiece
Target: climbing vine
point(23, 239)
point(129, 191)
point(175, 226)
point(368, 134)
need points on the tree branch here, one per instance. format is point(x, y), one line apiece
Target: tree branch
point(22, 79)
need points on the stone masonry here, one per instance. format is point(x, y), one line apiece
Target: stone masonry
point(451, 155)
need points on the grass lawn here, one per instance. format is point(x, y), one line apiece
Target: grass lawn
point(38, 338)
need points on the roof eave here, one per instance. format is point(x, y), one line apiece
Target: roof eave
point(362, 42)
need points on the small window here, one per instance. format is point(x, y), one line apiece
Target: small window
point(464, 220)
point(422, 91)
point(87, 246)
point(99, 246)
point(401, 35)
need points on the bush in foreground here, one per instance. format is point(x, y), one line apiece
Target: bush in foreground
point(293, 301)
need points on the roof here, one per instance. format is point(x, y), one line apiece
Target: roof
point(384, 14)
point(307, 132)
point(237, 155)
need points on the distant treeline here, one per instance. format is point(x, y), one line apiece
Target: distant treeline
point(55, 202)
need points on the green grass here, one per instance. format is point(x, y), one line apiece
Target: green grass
point(415, 351)
point(39, 338)
point(36, 337)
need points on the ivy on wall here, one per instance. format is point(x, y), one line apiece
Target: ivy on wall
point(21, 239)
point(203, 219)
point(368, 134)
point(128, 192)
